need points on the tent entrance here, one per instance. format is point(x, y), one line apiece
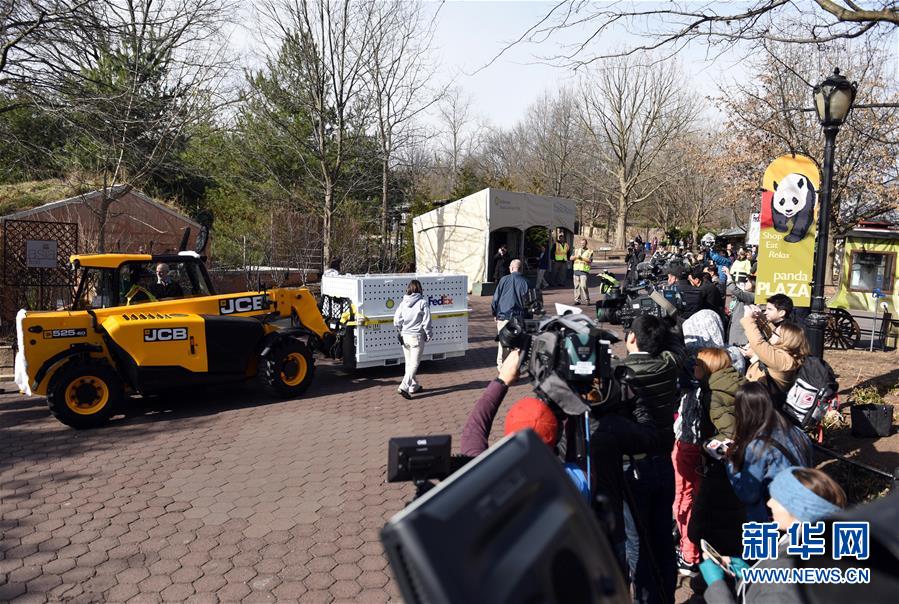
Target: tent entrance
point(511, 238)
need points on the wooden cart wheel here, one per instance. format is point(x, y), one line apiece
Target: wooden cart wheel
point(842, 330)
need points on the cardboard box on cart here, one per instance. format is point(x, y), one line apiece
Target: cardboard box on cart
point(374, 300)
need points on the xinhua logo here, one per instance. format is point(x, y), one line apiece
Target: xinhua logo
point(443, 300)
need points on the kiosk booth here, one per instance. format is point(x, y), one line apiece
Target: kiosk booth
point(463, 236)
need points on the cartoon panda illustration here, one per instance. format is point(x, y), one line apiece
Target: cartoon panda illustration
point(794, 199)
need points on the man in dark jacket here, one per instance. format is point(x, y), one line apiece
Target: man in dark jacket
point(678, 279)
point(635, 255)
point(501, 263)
point(543, 267)
point(643, 428)
point(165, 287)
point(508, 302)
point(709, 295)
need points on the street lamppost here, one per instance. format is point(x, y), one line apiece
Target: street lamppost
point(833, 101)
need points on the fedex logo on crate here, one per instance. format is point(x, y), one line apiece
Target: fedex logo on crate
point(443, 300)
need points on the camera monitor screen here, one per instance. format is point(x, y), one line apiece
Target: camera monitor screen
point(508, 527)
point(418, 457)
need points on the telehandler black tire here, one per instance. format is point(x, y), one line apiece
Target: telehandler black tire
point(85, 394)
point(287, 369)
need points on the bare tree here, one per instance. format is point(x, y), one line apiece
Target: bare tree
point(551, 132)
point(400, 73)
point(317, 76)
point(692, 186)
point(127, 78)
point(671, 26)
point(456, 117)
point(766, 120)
point(633, 112)
point(25, 27)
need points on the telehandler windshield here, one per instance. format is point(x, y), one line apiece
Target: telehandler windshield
point(140, 282)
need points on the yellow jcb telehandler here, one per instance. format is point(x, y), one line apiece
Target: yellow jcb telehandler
point(145, 324)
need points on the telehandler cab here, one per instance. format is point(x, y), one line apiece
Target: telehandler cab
point(145, 324)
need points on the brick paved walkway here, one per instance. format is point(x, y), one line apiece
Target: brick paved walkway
point(224, 496)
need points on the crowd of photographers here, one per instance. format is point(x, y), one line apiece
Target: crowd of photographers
point(686, 437)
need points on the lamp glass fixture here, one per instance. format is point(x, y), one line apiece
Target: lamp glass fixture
point(833, 99)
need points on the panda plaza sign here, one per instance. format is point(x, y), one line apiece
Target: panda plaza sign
point(787, 229)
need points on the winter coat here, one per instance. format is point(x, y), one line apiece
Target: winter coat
point(703, 330)
point(655, 397)
point(779, 364)
point(740, 267)
point(413, 316)
point(762, 462)
point(739, 299)
point(710, 297)
point(543, 261)
point(501, 268)
point(509, 297)
point(718, 393)
point(721, 261)
point(690, 299)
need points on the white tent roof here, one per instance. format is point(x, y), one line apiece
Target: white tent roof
point(456, 237)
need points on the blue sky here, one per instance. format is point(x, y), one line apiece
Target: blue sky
point(470, 33)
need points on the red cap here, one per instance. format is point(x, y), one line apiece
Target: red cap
point(534, 414)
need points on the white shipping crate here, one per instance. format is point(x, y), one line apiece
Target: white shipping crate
point(375, 299)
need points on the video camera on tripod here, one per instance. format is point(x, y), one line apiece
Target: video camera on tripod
point(622, 306)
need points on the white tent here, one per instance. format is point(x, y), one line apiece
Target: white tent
point(463, 236)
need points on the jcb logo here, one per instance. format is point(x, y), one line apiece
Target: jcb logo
point(243, 304)
point(165, 334)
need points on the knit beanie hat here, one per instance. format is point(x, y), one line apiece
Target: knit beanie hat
point(799, 500)
point(534, 414)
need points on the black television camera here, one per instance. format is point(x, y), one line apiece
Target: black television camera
point(533, 304)
point(649, 271)
point(562, 355)
point(622, 307)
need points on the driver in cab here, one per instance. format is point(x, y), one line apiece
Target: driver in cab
point(165, 286)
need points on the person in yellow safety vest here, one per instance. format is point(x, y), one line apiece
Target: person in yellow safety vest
point(581, 259)
point(740, 269)
point(560, 261)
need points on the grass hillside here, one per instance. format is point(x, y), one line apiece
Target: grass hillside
point(26, 195)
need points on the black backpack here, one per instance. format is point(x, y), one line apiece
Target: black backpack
point(812, 394)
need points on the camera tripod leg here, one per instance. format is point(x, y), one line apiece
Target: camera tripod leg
point(641, 534)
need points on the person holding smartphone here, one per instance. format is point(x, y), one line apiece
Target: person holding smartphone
point(775, 358)
point(742, 293)
point(705, 414)
point(765, 443)
point(797, 495)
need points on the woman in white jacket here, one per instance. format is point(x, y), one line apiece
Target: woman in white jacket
point(413, 320)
